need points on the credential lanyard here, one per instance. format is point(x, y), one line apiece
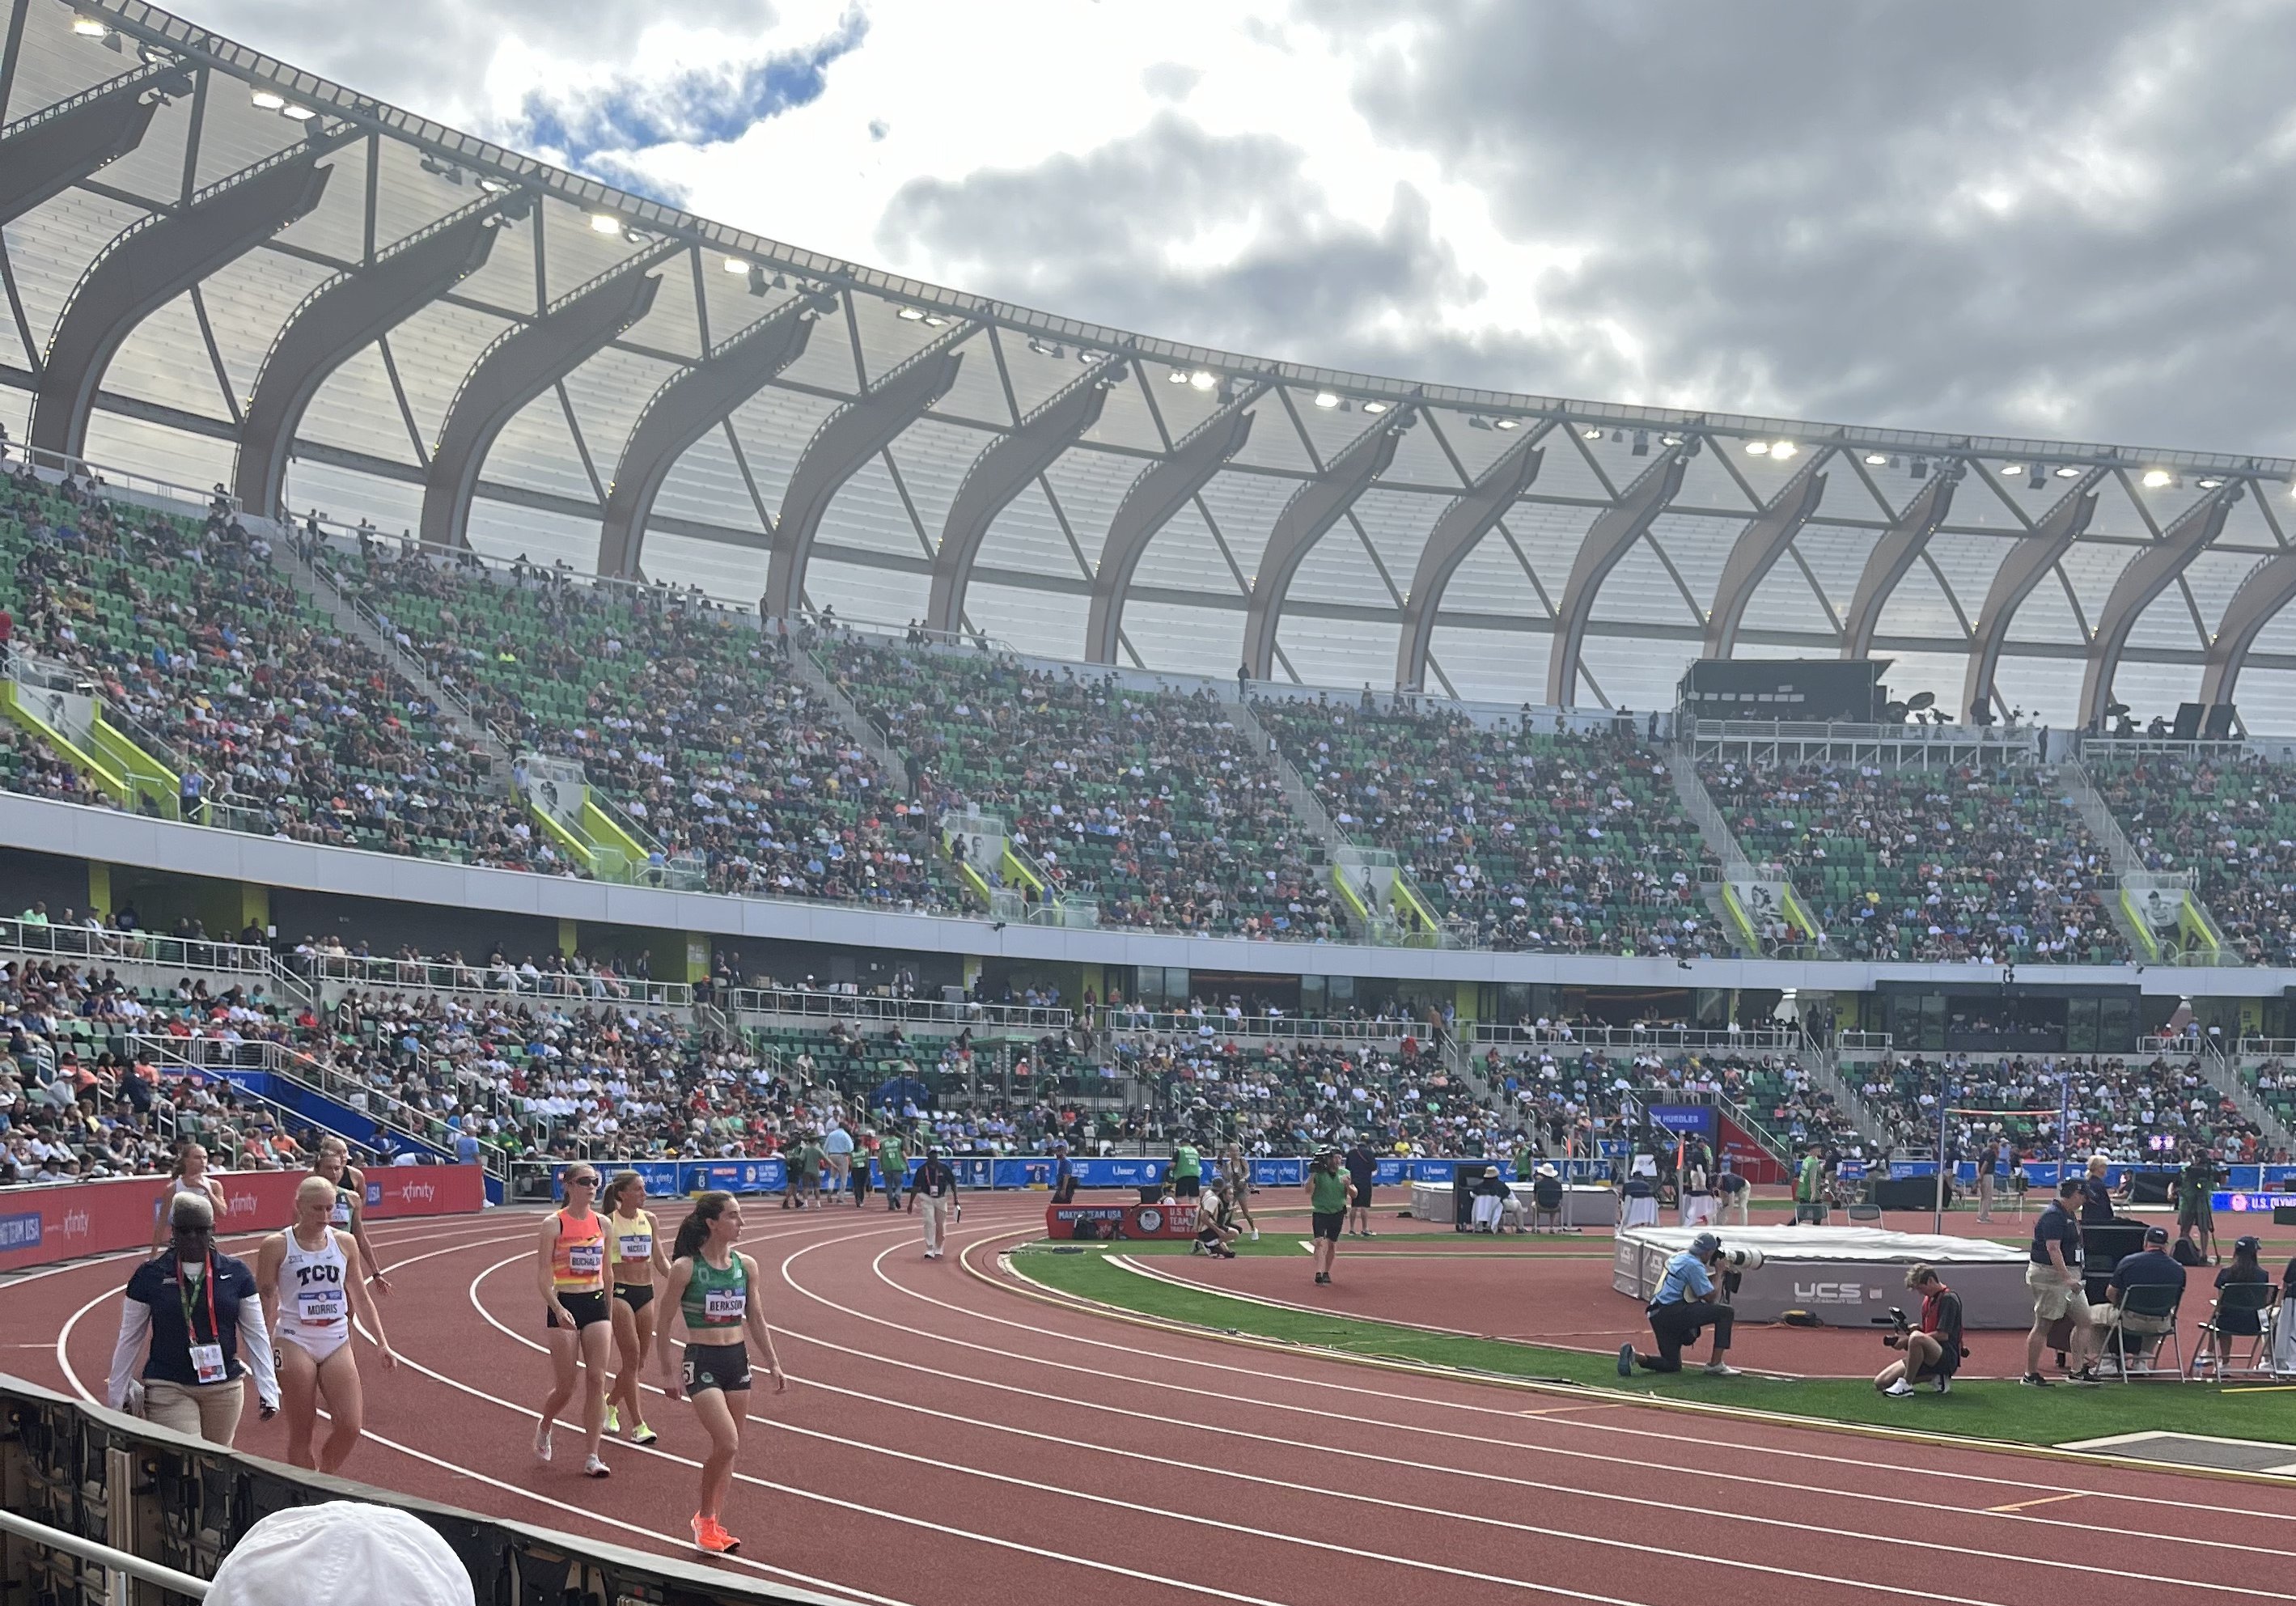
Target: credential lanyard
point(183, 1294)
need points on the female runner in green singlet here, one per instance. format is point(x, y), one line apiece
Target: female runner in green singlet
point(713, 1295)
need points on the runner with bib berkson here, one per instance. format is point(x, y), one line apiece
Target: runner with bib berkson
point(713, 1289)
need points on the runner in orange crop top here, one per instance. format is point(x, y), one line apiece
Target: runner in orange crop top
point(570, 1274)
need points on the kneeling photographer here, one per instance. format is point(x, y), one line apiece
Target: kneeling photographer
point(1687, 1304)
point(1933, 1349)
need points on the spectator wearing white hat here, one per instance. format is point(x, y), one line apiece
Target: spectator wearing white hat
point(340, 1549)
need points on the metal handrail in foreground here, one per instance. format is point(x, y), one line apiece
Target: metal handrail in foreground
point(103, 1556)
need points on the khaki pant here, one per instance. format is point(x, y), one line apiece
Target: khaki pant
point(936, 1212)
point(209, 1411)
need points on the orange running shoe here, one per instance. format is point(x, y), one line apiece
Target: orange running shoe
point(712, 1537)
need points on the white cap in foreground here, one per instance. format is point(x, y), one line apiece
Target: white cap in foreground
point(341, 1551)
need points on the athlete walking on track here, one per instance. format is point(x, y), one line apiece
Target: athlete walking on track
point(310, 1291)
point(333, 1162)
point(713, 1290)
point(633, 1255)
point(1328, 1193)
point(570, 1271)
point(935, 1187)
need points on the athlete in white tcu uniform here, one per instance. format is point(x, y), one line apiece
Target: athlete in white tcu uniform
point(309, 1295)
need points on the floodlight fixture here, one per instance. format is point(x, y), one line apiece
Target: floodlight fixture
point(1177, 376)
point(1669, 440)
point(2210, 484)
point(1506, 423)
point(1592, 433)
point(1783, 449)
point(735, 265)
point(90, 28)
point(2067, 471)
point(1874, 460)
point(304, 114)
point(2010, 470)
point(605, 223)
point(2038, 479)
point(1375, 406)
point(1476, 421)
point(1203, 379)
point(2154, 478)
point(1326, 398)
point(1919, 468)
point(267, 100)
point(912, 314)
point(1758, 448)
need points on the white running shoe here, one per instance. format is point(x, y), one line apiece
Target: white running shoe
point(1255, 1234)
point(594, 1468)
point(1900, 1390)
point(1943, 1385)
point(542, 1444)
point(1722, 1369)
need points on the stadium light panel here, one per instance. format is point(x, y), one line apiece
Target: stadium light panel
point(1374, 406)
point(267, 100)
point(2210, 485)
point(735, 265)
point(605, 223)
point(1203, 379)
point(2010, 470)
point(1177, 376)
point(2068, 472)
point(1592, 434)
point(90, 28)
point(2154, 478)
point(1758, 448)
point(301, 114)
point(912, 314)
point(1874, 460)
point(1325, 398)
point(1783, 450)
point(1506, 423)
point(1669, 440)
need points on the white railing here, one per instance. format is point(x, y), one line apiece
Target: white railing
point(1189, 1023)
point(813, 1004)
point(498, 981)
point(119, 1561)
point(1686, 1039)
point(191, 954)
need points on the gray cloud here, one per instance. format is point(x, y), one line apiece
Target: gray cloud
point(1779, 200)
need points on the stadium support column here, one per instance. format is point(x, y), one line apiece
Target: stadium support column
point(847, 439)
point(2270, 587)
point(99, 887)
point(690, 404)
point(1759, 547)
point(51, 150)
point(1314, 508)
point(2027, 564)
point(151, 262)
point(521, 362)
point(1611, 536)
point(1163, 488)
point(1459, 528)
point(341, 318)
point(570, 938)
point(1892, 555)
point(2149, 574)
point(1000, 473)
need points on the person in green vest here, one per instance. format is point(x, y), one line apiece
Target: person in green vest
point(893, 1161)
point(1328, 1195)
point(1187, 1172)
point(1810, 1187)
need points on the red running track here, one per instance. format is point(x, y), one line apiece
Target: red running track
point(945, 1441)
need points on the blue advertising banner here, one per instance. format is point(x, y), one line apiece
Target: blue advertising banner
point(2251, 1204)
point(1684, 1117)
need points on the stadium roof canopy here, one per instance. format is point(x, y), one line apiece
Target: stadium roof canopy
point(219, 267)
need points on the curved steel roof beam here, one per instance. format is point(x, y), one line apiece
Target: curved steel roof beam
point(1163, 488)
point(1893, 554)
point(1313, 509)
point(151, 262)
point(689, 405)
point(45, 154)
point(2036, 553)
point(1759, 547)
point(338, 320)
point(520, 364)
point(1611, 536)
point(2149, 574)
point(2270, 587)
point(1459, 528)
point(1002, 471)
point(847, 439)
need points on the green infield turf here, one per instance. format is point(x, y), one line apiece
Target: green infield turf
point(1977, 1408)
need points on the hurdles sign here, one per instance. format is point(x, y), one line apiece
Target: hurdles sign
point(1089, 1221)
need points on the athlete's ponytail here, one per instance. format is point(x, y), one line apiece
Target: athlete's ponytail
point(695, 1230)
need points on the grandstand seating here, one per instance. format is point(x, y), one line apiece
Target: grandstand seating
point(1983, 865)
point(2229, 817)
point(1564, 843)
point(1151, 801)
point(2118, 1104)
point(190, 629)
point(682, 712)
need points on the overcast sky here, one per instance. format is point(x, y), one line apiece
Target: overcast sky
point(2070, 218)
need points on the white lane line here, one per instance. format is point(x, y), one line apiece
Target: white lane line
point(1672, 1439)
point(1138, 1509)
point(1475, 1474)
point(847, 1592)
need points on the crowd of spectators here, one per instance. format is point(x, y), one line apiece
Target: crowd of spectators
point(275, 720)
point(2120, 1105)
point(2227, 817)
point(1982, 864)
point(680, 711)
point(1561, 843)
point(1151, 802)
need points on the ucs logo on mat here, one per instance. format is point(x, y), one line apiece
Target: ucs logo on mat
point(1835, 1293)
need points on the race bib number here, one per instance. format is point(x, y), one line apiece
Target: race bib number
point(207, 1364)
point(586, 1260)
point(320, 1307)
point(640, 1247)
point(724, 1303)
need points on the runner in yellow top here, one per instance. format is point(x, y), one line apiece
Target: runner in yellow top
point(634, 1254)
point(570, 1272)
